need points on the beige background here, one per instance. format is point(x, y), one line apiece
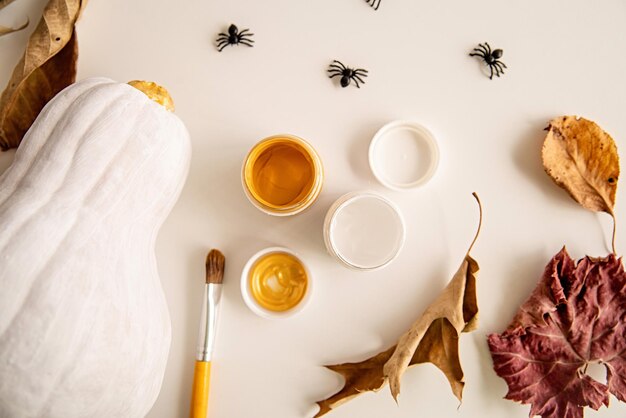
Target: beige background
point(564, 57)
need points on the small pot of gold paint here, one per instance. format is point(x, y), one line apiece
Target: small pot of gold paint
point(275, 283)
point(282, 175)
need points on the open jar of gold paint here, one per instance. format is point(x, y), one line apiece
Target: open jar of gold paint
point(276, 283)
point(282, 175)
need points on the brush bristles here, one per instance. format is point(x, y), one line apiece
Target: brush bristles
point(215, 267)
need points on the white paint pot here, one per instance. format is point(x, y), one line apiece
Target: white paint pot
point(364, 231)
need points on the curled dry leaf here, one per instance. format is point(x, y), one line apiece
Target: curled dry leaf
point(433, 338)
point(575, 317)
point(582, 158)
point(47, 67)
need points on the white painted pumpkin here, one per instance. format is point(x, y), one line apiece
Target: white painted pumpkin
point(84, 325)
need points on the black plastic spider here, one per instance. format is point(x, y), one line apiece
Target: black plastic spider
point(491, 58)
point(347, 74)
point(374, 3)
point(234, 37)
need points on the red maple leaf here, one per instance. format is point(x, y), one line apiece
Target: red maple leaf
point(576, 316)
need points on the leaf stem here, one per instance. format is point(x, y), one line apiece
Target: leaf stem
point(614, 231)
point(480, 222)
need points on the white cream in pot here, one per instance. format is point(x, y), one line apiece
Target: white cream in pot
point(364, 231)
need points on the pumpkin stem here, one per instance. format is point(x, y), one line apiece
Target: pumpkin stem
point(154, 92)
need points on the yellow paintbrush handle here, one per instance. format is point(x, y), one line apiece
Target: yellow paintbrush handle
point(200, 390)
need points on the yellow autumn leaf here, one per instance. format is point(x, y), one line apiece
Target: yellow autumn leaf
point(582, 159)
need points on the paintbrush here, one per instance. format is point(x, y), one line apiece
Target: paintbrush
point(206, 336)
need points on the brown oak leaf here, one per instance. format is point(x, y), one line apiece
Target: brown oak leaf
point(433, 338)
point(575, 317)
point(47, 67)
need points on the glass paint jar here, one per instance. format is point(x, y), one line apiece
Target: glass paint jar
point(282, 175)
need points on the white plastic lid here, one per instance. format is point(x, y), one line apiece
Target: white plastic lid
point(403, 155)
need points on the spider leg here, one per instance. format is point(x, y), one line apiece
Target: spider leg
point(356, 82)
point(334, 70)
point(501, 63)
point(478, 53)
point(339, 64)
point(491, 75)
point(356, 77)
point(360, 77)
point(361, 71)
point(222, 47)
point(482, 52)
point(483, 49)
point(334, 75)
point(488, 48)
point(222, 37)
point(247, 36)
point(242, 32)
point(244, 40)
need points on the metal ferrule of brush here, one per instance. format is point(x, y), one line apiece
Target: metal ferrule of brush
point(208, 321)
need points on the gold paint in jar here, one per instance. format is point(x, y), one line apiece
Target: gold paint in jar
point(278, 281)
point(282, 175)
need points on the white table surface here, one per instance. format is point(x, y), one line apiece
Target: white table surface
point(563, 57)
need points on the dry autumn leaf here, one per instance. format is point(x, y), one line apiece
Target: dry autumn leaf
point(47, 67)
point(582, 158)
point(433, 338)
point(574, 318)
